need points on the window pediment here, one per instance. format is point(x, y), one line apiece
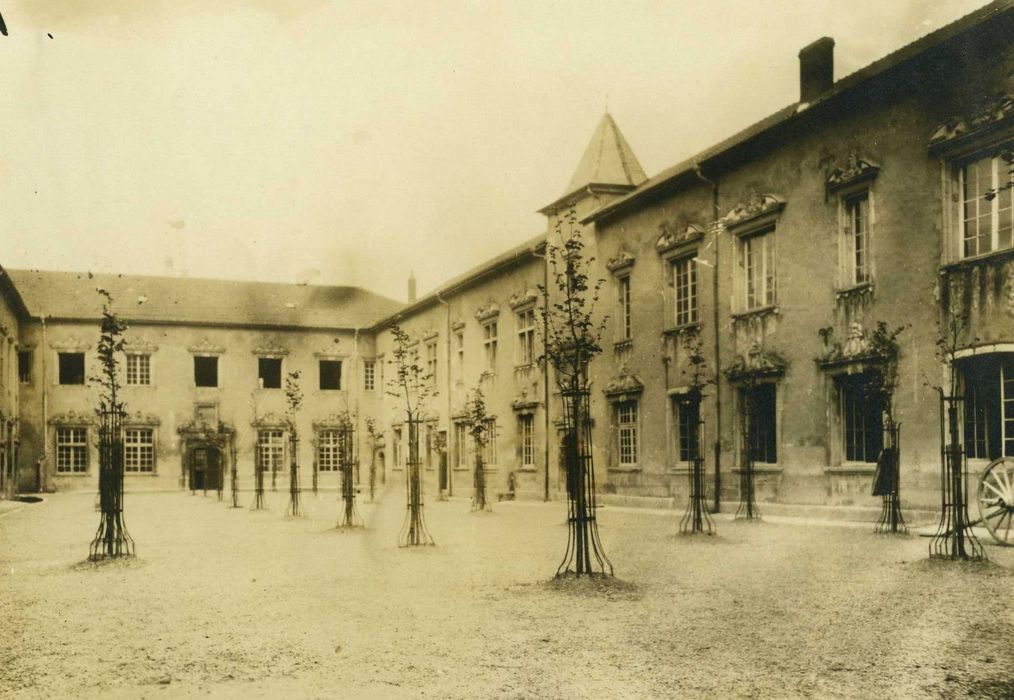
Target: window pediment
point(522, 299)
point(674, 236)
point(332, 421)
point(270, 349)
point(991, 117)
point(206, 347)
point(620, 262)
point(855, 351)
point(755, 363)
point(856, 170)
point(624, 387)
point(70, 344)
point(760, 210)
point(72, 418)
point(488, 312)
point(270, 420)
point(139, 419)
point(140, 347)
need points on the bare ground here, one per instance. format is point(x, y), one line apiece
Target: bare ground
point(233, 603)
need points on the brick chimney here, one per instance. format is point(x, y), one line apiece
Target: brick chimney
point(816, 69)
point(411, 287)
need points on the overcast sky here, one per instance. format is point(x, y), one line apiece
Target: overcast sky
point(349, 142)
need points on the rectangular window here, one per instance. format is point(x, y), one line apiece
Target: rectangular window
point(206, 371)
point(856, 239)
point(862, 434)
point(626, 432)
point(526, 430)
point(489, 449)
point(757, 260)
point(459, 342)
point(328, 450)
point(330, 375)
point(989, 406)
point(269, 372)
point(526, 337)
point(987, 204)
point(139, 450)
point(398, 449)
point(271, 450)
point(25, 366)
point(71, 450)
point(489, 342)
point(684, 280)
point(138, 369)
point(369, 375)
point(72, 367)
point(758, 406)
point(624, 313)
point(461, 445)
point(431, 361)
point(688, 420)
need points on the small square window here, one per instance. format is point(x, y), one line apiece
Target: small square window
point(72, 368)
point(206, 371)
point(330, 375)
point(269, 372)
point(25, 366)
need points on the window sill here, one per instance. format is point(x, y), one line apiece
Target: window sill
point(852, 468)
point(761, 468)
point(685, 328)
point(624, 468)
point(758, 312)
point(624, 344)
point(854, 291)
point(73, 474)
point(975, 260)
point(528, 469)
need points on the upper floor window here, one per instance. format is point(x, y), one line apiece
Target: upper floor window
point(71, 450)
point(856, 234)
point(269, 372)
point(526, 336)
point(626, 329)
point(757, 269)
point(205, 371)
point(489, 342)
point(683, 273)
point(431, 360)
point(369, 375)
point(987, 204)
point(330, 375)
point(138, 369)
point(459, 343)
point(25, 366)
point(72, 367)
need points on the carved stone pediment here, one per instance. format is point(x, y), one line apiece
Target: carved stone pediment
point(333, 421)
point(206, 347)
point(855, 349)
point(756, 362)
point(72, 418)
point(140, 346)
point(270, 420)
point(457, 325)
point(523, 403)
point(624, 386)
point(672, 235)
point(70, 344)
point(525, 298)
point(759, 207)
point(621, 261)
point(854, 171)
point(197, 429)
point(488, 311)
point(141, 419)
point(270, 349)
point(991, 115)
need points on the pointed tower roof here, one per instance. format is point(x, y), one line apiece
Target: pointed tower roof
point(608, 162)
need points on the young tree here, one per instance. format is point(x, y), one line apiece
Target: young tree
point(697, 517)
point(347, 462)
point(412, 384)
point(479, 428)
point(880, 388)
point(111, 540)
point(293, 399)
point(573, 340)
point(371, 437)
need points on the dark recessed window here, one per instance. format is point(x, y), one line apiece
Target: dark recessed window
point(269, 372)
point(330, 374)
point(72, 368)
point(206, 371)
point(25, 366)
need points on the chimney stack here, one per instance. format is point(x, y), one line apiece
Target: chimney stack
point(411, 287)
point(816, 69)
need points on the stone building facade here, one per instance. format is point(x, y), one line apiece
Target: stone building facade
point(882, 197)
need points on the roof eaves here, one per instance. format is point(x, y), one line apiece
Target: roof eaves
point(10, 291)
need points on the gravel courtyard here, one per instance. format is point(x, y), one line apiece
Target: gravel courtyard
point(233, 603)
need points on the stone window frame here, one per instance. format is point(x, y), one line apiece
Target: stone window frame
point(526, 440)
point(749, 222)
point(138, 372)
point(138, 428)
point(329, 448)
point(369, 374)
point(75, 445)
point(629, 429)
point(26, 378)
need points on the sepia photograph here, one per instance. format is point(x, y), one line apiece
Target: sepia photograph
point(529, 349)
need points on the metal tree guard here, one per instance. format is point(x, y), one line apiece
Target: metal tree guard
point(258, 503)
point(891, 519)
point(697, 518)
point(954, 538)
point(747, 509)
point(111, 539)
point(233, 475)
point(294, 509)
point(350, 517)
point(414, 532)
point(584, 552)
point(479, 501)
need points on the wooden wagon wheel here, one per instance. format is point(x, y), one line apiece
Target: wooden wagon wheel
point(996, 500)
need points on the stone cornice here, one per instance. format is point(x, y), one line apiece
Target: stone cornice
point(487, 312)
point(755, 363)
point(270, 349)
point(991, 117)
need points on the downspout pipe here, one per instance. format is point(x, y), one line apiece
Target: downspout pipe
point(717, 347)
point(447, 372)
point(545, 374)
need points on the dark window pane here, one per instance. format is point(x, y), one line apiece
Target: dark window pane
point(269, 372)
point(206, 371)
point(330, 374)
point(25, 366)
point(72, 368)
point(762, 440)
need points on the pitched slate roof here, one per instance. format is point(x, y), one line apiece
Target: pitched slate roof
point(190, 301)
point(608, 160)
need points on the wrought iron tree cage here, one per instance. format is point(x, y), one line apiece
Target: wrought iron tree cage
point(891, 519)
point(697, 518)
point(111, 539)
point(294, 510)
point(747, 509)
point(413, 531)
point(347, 460)
point(479, 501)
point(585, 554)
point(233, 475)
point(258, 503)
point(954, 538)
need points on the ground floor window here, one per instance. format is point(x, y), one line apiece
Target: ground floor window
point(862, 431)
point(989, 406)
point(626, 432)
point(489, 449)
point(398, 449)
point(687, 414)
point(526, 439)
point(328, 451)
point(270, 450)
point(139, 450)
point(757, 406)
point(460, 445)
point(71, 450)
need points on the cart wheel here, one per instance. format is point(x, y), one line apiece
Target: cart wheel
point(996, 500)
